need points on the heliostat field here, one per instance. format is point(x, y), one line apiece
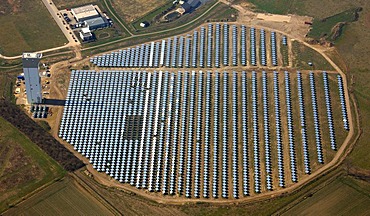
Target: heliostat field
point(205, 134)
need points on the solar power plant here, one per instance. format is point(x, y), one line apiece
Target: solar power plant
point(204, 134)
point(212, 45)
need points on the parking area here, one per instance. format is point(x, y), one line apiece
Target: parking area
point(64, 26)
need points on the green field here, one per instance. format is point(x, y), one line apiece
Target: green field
point(149, 16)
point(312, 8)
point(324, 27)
point(63, 4)
point(277, 6)
point(344, 196)
point(6, 89)
point(325, 18)
point(27, 26)
point(24, 167)
point(219, 12)
point(64, 197)
point(131, 10)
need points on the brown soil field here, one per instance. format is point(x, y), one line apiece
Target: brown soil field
point(65, 197)
point(23, 166)
point(130, 10)
point(63, 4)
point(345, 195)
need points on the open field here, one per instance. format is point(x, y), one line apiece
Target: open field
point(27, 26)
point(302, 55)
point(64, 197)
point(313, 8)
point(6, 64)
point(23, 166)
point(128, 203)
point(325, 18)
point(331, 27)
point(39, 136)
point(344, 196)
point(148, 17)
point(353, 48)
point(63, 4)
point(220, 12)
point(130, 10)
point(276, 7)
point(7, 87)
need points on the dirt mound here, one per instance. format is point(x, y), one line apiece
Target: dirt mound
point(337, 30)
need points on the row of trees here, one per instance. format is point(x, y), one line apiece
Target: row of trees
point(13, 114)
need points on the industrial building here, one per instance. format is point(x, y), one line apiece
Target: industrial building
point(96, 23)
point(85, 12)
point(32, 78)
point(85, 34)
point(90, 19)
point(190, 5)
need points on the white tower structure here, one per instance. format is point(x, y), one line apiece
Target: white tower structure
point(32, 78)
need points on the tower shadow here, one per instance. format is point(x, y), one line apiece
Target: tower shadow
point(54, 102)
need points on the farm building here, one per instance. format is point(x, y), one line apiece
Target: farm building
point(85, 12)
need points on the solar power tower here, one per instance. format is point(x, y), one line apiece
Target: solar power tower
point(32, 78)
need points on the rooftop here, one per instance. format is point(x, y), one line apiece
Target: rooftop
point(31, 55)
point(85, 11)
point(95, 21)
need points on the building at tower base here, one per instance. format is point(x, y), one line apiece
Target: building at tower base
point(32, 78)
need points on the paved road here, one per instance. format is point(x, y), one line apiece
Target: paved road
point(53, 10)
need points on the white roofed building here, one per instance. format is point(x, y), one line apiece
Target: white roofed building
point(85, 12)
point(85, 34)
